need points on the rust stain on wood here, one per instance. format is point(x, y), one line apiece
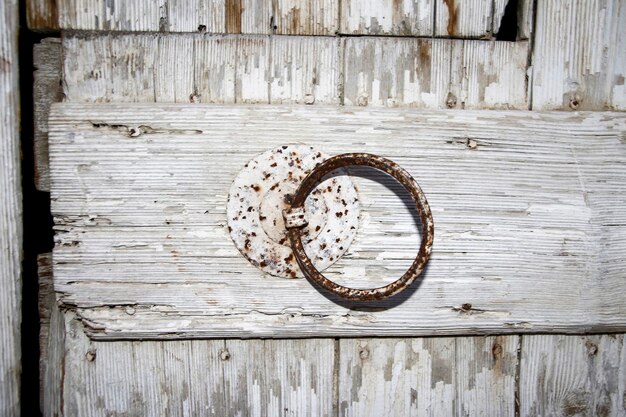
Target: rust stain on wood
point(294, 21)
point(233, 16)
point(42, 16)
point(452, 17)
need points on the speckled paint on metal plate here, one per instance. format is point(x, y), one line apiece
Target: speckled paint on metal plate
point(264, 187)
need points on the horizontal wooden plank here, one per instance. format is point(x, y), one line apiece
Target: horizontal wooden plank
point(428, 377)
point(10, 213)
point(377, 71)
point(573, 375)
point(521, 201)
point(579, 61)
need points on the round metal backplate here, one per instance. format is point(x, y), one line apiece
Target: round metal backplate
point(263, 189)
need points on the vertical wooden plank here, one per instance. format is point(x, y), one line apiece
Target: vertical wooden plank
point(147, 15)
point(486, 370)
point(617, 59)
point(253, 62)
point(213, 69)
point(203, 16)
point(496, 75)
point(245, 391)
point(46, 90)
point(52, 356)
point(391, 377)
point(47, 304)
point(249, 16)
point(86, 68)
point(578, 58)
point(10, 213)
point(306, 17)
point(304, 69)
point(572, 375)
point(174, 78)
point(428, 376)
point(392, 72)
point(388, 17)
point(41, 15)
point(299, 376)
point(464, 18)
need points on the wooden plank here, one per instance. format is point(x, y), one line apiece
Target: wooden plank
point(52, 355)
point(434, 376)
point(10, 213)
point(196, 377)
point(572, 375)
point(186, 273)
point(42, 15)
point(113, 15)
point(464, 18)
point(435, 73)
point(203, 16)
point(46, 90)
point(304, 70)
point(367, 17)
point(305, 17)
point(579, 60)
point(392, 72)
point(47, 304)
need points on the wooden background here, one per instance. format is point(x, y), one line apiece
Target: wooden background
point(569, 55)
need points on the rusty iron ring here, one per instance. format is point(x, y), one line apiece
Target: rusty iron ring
point(295, 222)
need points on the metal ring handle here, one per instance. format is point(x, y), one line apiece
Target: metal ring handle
point(294, 221)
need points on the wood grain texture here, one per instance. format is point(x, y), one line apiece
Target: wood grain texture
point(10, 213)
point(388, 17)
point(196, 16)
point(304, 70)
point(428, 376)
point(377, 71)
point(305, 17)
point(116, 15)
point(46, 90)
point(573, 376)
point(579, 61)
point(42, 15)
point(47, 304)
point(464, 18)
point(435, 73)
point(196, 377)
point(139, 181)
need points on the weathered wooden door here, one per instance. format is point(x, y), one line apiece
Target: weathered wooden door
point(521, 309)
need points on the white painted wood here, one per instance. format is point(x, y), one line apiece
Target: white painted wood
point(388, 17)
point(464, 18)
point(579, 60)
point(195, 15)
point(435, 73)
point(304, 70)
point(573, 375)
point(542, 207)
point(196, 377)
point(46, 90)
point(10, 213)
point(146, 15)
point(305, 17)
point(428, 376)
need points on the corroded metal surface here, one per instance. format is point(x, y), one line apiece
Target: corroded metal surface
point(264, 188)
point(295, 232)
